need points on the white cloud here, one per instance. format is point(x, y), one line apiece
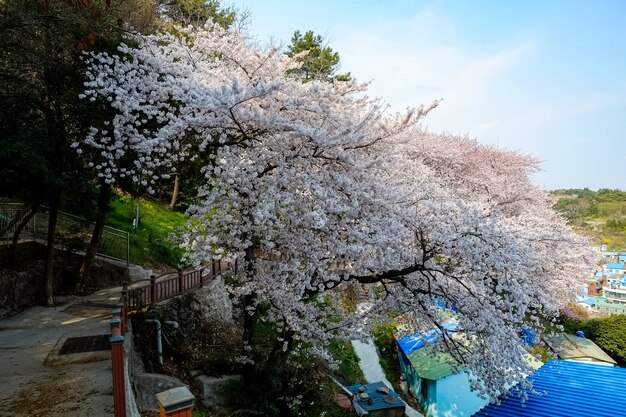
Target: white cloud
point(422, 59)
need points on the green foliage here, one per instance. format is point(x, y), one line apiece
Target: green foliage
point(197, 12)
point(348, 360)
point(610, 334)
point(320, 63)
point(42, 75)
point(149, 244)
point(385, 341)
point(218, 363)
point(542, 352)
point(600, 215)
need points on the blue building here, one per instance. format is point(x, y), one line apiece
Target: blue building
point(431, 378)
point(566, 389)
point(376, 400)
point(614, 269)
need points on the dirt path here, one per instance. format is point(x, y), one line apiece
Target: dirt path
point(35, 380)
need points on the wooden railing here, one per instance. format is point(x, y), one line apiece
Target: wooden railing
point(162, 289)
point(137, 298)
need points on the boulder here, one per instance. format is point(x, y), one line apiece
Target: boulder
point(217, 390)
point(147, 386)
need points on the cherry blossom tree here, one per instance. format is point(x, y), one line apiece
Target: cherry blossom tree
point(317, 188)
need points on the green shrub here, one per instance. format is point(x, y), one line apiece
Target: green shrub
point(610, 334)
point(348, 360)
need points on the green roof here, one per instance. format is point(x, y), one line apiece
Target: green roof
point(572, 347)
point(430, 364)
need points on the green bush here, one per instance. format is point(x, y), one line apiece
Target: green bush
point(348, 360)
point(610, 334)
point(385, 341)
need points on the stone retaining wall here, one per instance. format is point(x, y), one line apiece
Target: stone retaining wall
point(21, 287)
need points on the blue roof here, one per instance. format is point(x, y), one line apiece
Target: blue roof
point(566, 389)
point(615, 266)
point(381, 396)
point(589, 301)
point(410, 344)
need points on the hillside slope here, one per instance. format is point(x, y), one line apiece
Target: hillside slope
point(600, 215)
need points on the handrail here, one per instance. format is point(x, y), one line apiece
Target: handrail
point(183, 282)
point(115, 243)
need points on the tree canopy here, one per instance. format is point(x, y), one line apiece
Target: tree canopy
point(317, 189)
point(318, 61)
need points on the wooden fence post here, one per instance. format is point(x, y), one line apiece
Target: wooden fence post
point(180, 280)
point(176, 402)
point(117, 365)
point(213, 268)
point(153, 289)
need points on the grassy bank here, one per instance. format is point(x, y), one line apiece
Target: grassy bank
point(149, 243)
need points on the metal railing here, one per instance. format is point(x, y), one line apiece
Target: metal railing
point(72, 232)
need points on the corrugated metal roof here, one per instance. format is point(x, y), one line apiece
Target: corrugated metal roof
point(410, 344)
point(380, 400)
point(568, 346)
point(567, 389)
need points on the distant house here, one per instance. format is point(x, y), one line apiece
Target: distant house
point(578, 349)
point(615, 289)
point(376, 400)
point(603, 305)
point(430, 378)
point(565, 389)
point(595, 284)
point(610, 269)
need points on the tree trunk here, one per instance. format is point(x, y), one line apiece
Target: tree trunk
point(249, 320)
point(104, 197)
point(52, 224)
point(249, 317)
point(16, 236)
point(175, 192)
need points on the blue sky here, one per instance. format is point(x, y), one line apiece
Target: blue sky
point(545, 77)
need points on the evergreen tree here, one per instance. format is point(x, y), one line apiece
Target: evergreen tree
point(319, 62)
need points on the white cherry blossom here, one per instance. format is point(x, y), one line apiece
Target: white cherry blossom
point(334, 192)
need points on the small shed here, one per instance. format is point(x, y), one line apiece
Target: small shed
point(376, 400)
point(578, 349)
point(565, 389)
point(431, 376)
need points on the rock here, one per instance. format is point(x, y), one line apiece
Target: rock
point(147, 386)
point(216, 390)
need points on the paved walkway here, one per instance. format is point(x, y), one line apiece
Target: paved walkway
point(36, 381)
point(373, 372)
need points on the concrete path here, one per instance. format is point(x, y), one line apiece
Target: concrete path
point(36, 381)
point(373, 372)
